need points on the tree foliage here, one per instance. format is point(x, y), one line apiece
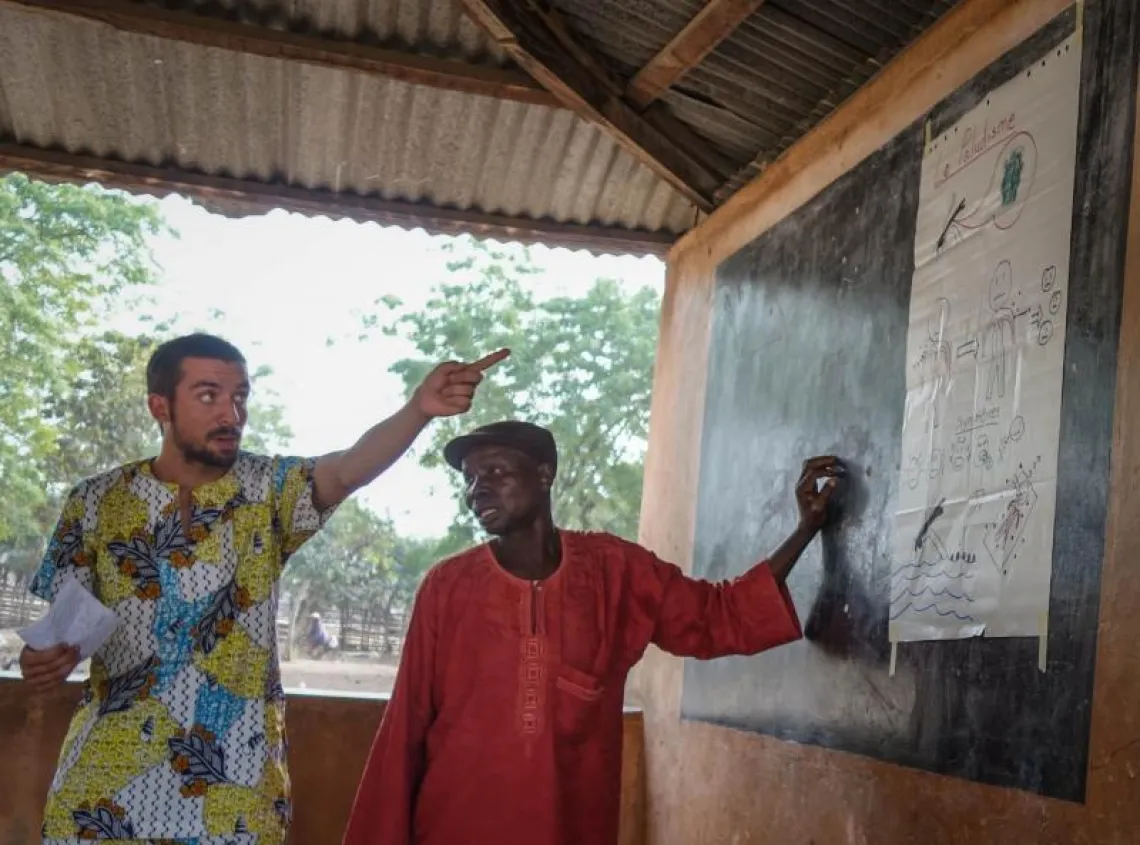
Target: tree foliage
point(582, 366)
point(346, 562)
point(66, 253)
point(72, 390)
point(358, 564)
point(74, 260)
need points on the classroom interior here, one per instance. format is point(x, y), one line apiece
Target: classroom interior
point(794, 258)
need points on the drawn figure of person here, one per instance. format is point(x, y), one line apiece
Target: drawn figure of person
point(982, 454)
point(1012, 524)
point(961, 448)
point(997, 336)
point(936, 361)
point(1011, 176)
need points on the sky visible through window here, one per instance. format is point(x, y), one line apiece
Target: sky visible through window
point(286, 283)
point(292, 292)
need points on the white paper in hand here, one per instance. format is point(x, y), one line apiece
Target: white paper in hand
point(75, 618)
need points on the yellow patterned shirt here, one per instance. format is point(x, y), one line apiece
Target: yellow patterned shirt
point(181, 732)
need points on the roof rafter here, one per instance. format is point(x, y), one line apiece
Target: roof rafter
point(542, 44)
point(688, 48)
point(193, 28)
point(231, 196)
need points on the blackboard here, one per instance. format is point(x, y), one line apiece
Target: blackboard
point(807, 357)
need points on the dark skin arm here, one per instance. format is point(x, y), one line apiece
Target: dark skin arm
point(692, 617)
point(813, 501)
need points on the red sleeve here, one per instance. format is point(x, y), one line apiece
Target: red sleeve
point(383, 810)
point(694, 618)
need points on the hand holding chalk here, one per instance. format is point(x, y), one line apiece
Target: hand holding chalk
point(816, 488)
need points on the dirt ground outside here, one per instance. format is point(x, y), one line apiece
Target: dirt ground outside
point(371, 676)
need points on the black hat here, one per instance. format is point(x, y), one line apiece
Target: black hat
point(530, 439)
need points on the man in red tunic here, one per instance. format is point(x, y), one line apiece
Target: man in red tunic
point(505, 723)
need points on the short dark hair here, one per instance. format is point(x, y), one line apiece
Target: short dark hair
point(164, 370)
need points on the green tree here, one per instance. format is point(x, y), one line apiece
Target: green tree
point(99, 420)
point(66, 253)
point(356, 565)
point(73, 392)
point(412, 557)
point(580, 366)
point(341, 562)
point(102, 418)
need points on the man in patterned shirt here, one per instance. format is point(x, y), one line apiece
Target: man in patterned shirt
point(180, 735)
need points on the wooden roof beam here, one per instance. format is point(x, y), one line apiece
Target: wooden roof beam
point(542, 45)
point(688, 48)
point(237, 197)
point(239, 37)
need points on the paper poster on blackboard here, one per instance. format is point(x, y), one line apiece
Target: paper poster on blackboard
point(973, 531)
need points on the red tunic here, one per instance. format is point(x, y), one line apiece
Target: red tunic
point(505, 723)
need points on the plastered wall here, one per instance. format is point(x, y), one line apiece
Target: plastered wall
point(713, 785)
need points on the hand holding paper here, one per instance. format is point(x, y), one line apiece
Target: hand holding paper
point(76, 618)
point(43, 670)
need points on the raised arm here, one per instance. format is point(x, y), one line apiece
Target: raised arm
point(813, 501)
point(447, 390)
point(750, 614)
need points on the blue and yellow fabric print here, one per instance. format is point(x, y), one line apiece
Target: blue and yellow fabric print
point(179, 737)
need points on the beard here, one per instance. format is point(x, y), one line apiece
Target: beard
point(202, 453)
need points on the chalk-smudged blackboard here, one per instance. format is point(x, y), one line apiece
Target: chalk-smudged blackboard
point(807, 357)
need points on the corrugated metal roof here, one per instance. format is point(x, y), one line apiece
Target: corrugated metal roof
point(432, 27)
point(77, 86)
point(629, 32)
point(83, 87)
point(781, 72)
point(810, 56)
